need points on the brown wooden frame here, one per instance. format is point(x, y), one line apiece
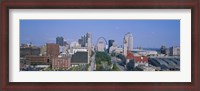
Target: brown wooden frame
point(99, 4)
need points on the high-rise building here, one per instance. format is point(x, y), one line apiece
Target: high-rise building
point(125, 48)
point(110, 43)
point(174, 51)
point(100, 46)
point(80, 41)
point(89, 43)
point(128, 43)
point(60, 41)
point(52, 49)
point(163, 49)
point(85, 39)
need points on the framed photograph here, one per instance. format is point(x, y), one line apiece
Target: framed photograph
point(94, 45)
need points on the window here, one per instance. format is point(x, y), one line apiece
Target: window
point(48, 61)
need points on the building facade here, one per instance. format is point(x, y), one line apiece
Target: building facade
point(128, 43)
point(89, 43)
point(79, 58)
point(75, 45)
point(52, 49)
point(61, 62)
point(112, 49)
point(110, 43)
point(139, 60)
point(43, 50)
point(174, 51)
point(60, 41)
point(37, 60)
point(100, 46)
point(29, 51)
point(74, 50)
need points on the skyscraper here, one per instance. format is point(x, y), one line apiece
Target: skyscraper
point(128, 43)
point(110, 43)
point(89, 43)
point(60, 41)
point(83, 41)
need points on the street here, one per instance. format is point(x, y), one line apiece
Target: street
point(114, 61)
point(92, 66)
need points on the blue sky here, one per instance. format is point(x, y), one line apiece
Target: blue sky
point(146, 33)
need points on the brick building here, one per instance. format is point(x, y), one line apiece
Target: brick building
point(61, 62)
point(139, 60)
point(29, 51)
point(52, 49)
point(37, 60)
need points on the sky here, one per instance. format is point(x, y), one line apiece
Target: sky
point(146, 33)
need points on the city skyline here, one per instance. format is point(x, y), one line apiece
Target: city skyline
point(146, 33)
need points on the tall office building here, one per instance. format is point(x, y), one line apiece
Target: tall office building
point(110, 43)
point(89, 43)
point(82, 41)
point(85, 40)
point(128, 43)
point(60, 41)
point(125, 48)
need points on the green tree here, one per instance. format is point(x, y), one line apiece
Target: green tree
point(115, 68)
point(102, 60)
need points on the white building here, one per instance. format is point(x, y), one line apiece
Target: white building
point(113, 48)
point(100, 46)
point(119, 50)
point(174, 51)
point(128, 43)
point(151, 52)
point(63, 49)
point(74, 50)
point(74, 45)
point(43, 50)
point(142, 52)
point(89, 40)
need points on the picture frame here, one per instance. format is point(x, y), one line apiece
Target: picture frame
point(119, 4)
